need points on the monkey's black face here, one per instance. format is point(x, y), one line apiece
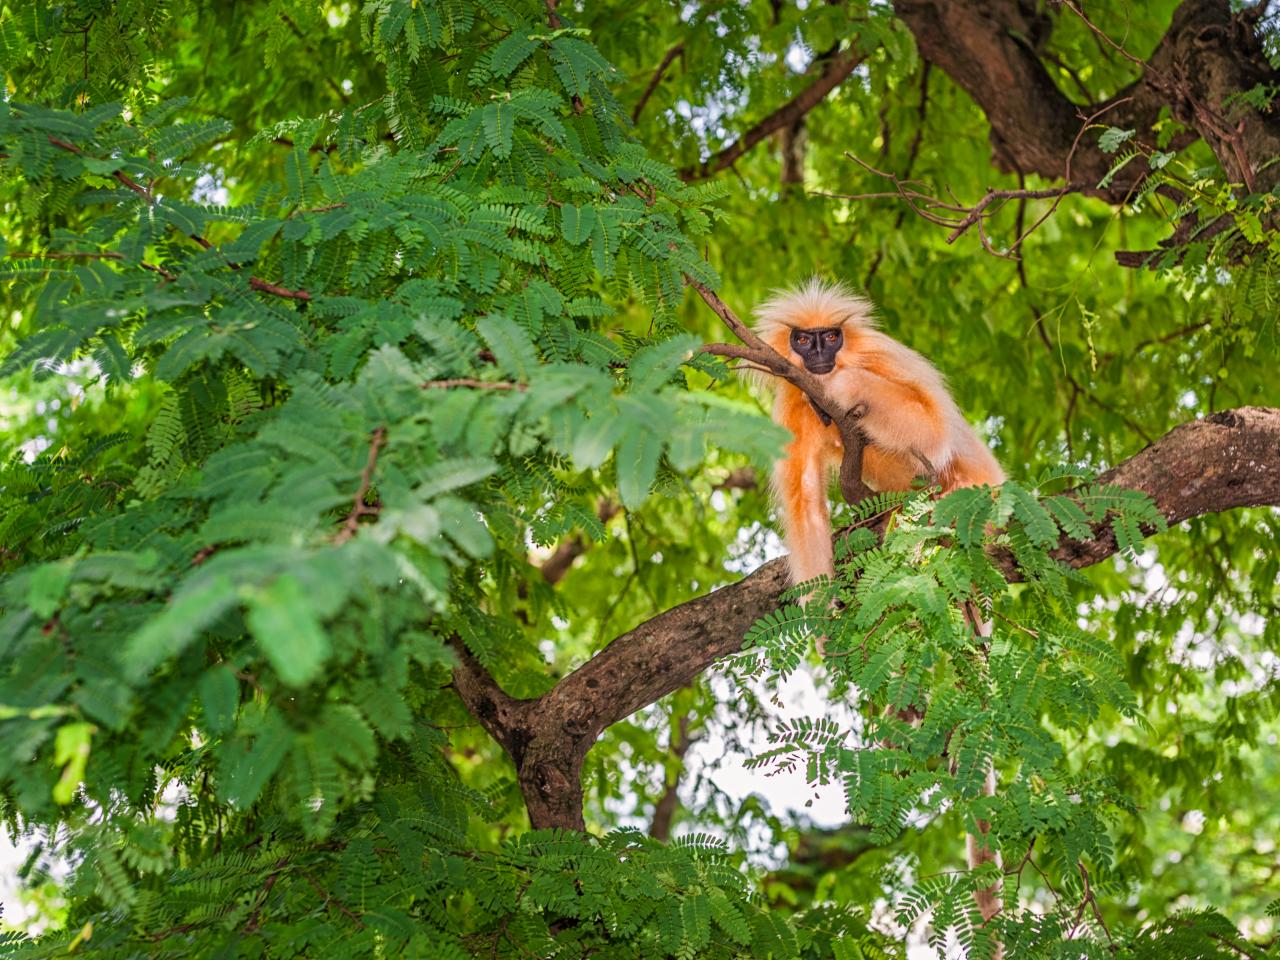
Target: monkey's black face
point(818, 347)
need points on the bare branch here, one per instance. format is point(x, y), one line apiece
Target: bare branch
point(472, 384)
point(278, 291)
point(554, 22)
point(962, 218)
point(840, 67)
point(358, 507)
point(671, 54)
point(120, 176)
point(89, 255)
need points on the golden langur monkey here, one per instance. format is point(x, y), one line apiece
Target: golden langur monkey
point(909, 414)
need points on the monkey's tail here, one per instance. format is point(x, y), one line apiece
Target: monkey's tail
point(806, 519)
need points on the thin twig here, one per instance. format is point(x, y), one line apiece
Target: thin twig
point(553, 21)
point(119, 175)
point(90, 255)
point(358, 507)
point(277, 290)
point(252, 923)
point(472, 384)
point(913, 154)
point(1066, 171)
point(329, 898)
point(786, 115)
point(656, 79)
point(961, 217)
point(136, 187)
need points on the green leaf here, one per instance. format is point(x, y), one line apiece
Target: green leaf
point(219, 698)
point(285, 626)
point(1035, 519)
point(449, 475)
point(510, 345)
point(577, 223)
point(1113, 138)
point(71, 752)
point(637, 464)
point(499, 127)
point(652, 366)
point(245, 766)
point(510, 53)
point(969, 508)
point(47, 588)
point(594, 439)
point(1071, 518)
point(194, 606)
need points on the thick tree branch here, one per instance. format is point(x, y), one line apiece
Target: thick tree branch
point(993, 51)
point(841, 65)
point(1225, 461)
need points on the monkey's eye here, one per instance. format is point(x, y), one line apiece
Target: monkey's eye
point(803, 341)
point(830, 337)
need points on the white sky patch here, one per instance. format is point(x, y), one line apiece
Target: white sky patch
point(786, 794)
point(210, 189)
point(798, 57)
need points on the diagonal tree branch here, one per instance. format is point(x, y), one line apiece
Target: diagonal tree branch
point(1223, 462)
point(841, 65)
point(656, 79)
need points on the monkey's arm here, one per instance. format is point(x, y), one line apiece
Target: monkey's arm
point(914, 424)
point(903, 415)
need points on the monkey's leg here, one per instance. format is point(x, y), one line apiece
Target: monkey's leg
point(904, 419)
point(886, 470)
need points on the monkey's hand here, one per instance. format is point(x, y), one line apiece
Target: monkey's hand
point(822, 414)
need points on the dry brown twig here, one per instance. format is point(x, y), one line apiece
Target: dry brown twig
point(961, 217)
point(656, 79)
point(358, 507)
point(470, 383)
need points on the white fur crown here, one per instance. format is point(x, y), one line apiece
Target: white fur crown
point(816, 297)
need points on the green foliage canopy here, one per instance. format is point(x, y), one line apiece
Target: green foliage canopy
point(352, 316)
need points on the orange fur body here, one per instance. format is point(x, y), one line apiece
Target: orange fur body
point(909, 412)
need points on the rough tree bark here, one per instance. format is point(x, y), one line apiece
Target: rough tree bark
point(991, 49)
point(1223, 462)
